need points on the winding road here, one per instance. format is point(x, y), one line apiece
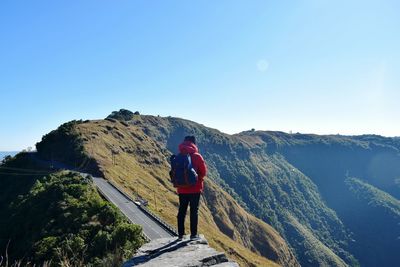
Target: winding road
point(151, 228)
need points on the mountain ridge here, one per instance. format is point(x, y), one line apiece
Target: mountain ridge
point(134, 160)
point(281, 178)
point(371, 154)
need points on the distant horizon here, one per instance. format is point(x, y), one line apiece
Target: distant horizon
point(24, 147)
point(322, 67)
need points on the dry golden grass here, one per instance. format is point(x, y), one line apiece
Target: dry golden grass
point(141, 168)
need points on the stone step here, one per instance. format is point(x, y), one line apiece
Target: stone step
point(173, 252)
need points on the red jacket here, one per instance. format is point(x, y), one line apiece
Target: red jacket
point(199, 165)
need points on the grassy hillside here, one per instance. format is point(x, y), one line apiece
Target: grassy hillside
point(124, 153)
point(296, 183)
point(59, 219)
point(266, 184)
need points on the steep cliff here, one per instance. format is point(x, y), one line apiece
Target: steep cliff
point(124, 153)
point(299, 185)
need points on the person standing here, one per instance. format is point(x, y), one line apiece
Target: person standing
point(190, 195)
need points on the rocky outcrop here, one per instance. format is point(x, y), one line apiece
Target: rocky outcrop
point(172, 252)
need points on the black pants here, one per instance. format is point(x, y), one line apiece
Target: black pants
point(184, 200)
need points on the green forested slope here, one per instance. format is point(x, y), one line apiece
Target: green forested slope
point(126, 155)
point(59, 218)
point(298, 183)
point(375, 160)
point(267, 185)
point(374, 217)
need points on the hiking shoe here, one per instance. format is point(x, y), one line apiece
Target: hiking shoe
point(194, 237)
point(180, 238)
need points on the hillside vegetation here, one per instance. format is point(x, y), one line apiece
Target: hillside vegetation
point(366, 204)
point(258, 181)
point(59, 219)
point(265, 184)
point(124, 154)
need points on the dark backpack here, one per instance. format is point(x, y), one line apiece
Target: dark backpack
point(182, 172)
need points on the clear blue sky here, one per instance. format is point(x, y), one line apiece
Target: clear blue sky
point(320, 66)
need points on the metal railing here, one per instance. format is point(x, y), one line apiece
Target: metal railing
point(156, 218)
point(109, 200)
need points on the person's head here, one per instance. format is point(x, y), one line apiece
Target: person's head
point(190, 138)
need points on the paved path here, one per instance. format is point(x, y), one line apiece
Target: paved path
point(150, 227)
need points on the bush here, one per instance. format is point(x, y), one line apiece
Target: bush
point(62, 218)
